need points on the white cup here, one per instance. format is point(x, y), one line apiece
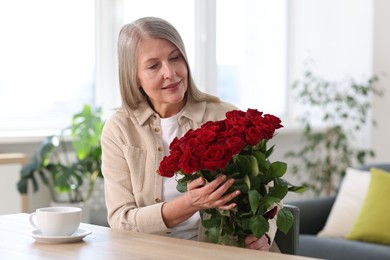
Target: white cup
point(56, 221)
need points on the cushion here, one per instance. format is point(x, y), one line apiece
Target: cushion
point(348, 203)
point(372, 224)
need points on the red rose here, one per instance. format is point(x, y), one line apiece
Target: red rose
point(254, 135)
point(235, 117)
point(216, 157)
point(207, 136)
point(269, 125)
point(169, 165)
point(189, 163)
point(216, 126)
point(212, 145)
point(273, 120)
point(175, 142)
point(254, 115)
point(192, 143)
point(237, 130)
point(235, 144)
point(200, 150)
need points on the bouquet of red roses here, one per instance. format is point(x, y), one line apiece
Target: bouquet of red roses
point(236, 147)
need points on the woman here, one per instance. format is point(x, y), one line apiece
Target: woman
point(159, 102)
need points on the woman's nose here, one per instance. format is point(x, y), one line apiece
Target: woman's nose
point(168, 71)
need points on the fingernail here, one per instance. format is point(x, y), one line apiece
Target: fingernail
point(222, 176)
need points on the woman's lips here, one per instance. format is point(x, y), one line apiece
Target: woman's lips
point(173, 85)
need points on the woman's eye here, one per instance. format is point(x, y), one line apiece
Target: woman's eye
point(153, 66)
point(175, 57)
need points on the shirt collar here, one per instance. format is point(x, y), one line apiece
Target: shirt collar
point(193, 111)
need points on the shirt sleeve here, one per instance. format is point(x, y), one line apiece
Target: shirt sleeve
point(124, 212)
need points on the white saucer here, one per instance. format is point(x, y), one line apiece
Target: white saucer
point(77, 236)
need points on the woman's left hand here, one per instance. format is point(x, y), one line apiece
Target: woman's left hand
point(261, 243)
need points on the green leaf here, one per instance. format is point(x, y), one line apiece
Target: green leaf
point(258, 225)
point(247, 181)
point(293, 188)
point(268, 201)
point(298, 189)
point(181, 186)
point(284, 220)
point(213, 234)
point(22, 186)
point(260, 157)
point(255, 182)
point(278, 169)
point(278, 191)
point(86, 130)
point(239, 184)
point(247, 164)
point(270, 151)
point(254, 200)
point(210, 223)
point(224, 212)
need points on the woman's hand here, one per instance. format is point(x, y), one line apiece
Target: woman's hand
point(198, 197)
point(261, 243)
point(211, 195)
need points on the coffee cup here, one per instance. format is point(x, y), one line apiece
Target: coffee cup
point(56, 221)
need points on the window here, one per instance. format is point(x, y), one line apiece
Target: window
point(47, 62)
point(50, 66)
point(248, 65)
point(252, 54)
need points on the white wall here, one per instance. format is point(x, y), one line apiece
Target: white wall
point(346, 38)
point(381, 66)
point(10, 199)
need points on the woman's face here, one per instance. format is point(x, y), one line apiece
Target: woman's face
point(162, 73)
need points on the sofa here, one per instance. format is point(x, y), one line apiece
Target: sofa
point(314, 213)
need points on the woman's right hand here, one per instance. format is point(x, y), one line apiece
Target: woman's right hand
point(211, 195)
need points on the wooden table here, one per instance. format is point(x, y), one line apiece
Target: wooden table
point(106, 243)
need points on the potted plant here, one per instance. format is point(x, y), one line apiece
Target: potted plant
point(68, 163)
point(326, 151)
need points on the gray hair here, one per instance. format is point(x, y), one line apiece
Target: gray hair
point(129, 40)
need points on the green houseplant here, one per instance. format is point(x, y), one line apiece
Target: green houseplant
point(327, 151)
point(66, 166)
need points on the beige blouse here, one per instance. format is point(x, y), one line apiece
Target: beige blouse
point(131, 153)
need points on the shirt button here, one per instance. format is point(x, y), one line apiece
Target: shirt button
point(157, 200)
point(159, 149)
point(157, 129)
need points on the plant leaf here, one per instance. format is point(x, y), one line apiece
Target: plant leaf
point(285, 220)
point(210, 223)
point(278, 169)
point(258, 225)
point(278, 191)
point(181, 186)
point(298, 189)
point(213, 234)
point(254, 200)
point(247, 164)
